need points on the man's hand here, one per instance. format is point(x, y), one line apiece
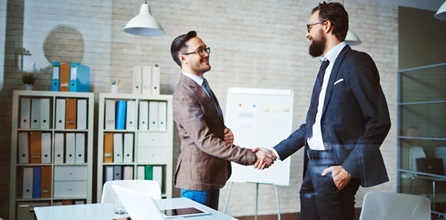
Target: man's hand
point(228, 136)
point(341, 177)
point(265, 158)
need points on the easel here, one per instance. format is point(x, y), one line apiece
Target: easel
point(257, 199)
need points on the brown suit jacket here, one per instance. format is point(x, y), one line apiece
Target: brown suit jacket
point(204, 161)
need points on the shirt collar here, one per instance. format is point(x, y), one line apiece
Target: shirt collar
point(333, 53)
point(195, 78)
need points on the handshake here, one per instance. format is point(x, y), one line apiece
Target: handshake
point(265, 158)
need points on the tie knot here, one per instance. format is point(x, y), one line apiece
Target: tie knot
point(325, 64)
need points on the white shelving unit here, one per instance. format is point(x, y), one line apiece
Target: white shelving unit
point(51, 150)
point(135, 139)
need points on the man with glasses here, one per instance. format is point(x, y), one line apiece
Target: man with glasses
point(207, 148)
point(346, 123)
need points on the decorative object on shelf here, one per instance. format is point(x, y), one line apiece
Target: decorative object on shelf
point(441, 13)
point(144, 23)
point(28, 80)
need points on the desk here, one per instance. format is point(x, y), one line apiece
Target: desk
point(104, 211)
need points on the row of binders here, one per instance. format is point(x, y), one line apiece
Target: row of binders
point(123, 114)
point(70, 77)
point(146, 172)
point(71, 113)
point(35, 148)
point(36, 182)
point(146, 80)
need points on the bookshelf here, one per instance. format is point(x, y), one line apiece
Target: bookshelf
point(51, 150)
point(135, 139)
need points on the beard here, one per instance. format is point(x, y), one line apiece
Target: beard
point(317, 48)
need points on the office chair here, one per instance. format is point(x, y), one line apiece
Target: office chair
point(395, 206)
point(146, 187)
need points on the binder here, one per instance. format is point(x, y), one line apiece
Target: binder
point(137, 76)
point(70, 113)
point(127, 173)
point(27, 190)
point(45, 113)
point(25, 112)
point(108, 174)
point(143, 115)
point(153, 116)
point(82, 114)
point(148, 172)
point(64, 77)
point(59, 148)
point(140, 173)
point(128, 148)
point(80, 148)
point(146, 80)
point(60, 113)
point(108, 147)
point(70, 147)
point(35, 147)
point(45, 182)
point(46, 148)
point(117, 148)
point(109, 114)
point(117, 173)
point(79, 78)
point(23, 148)
point(155, 80)
point(121, 106)
point(55, 78)
point(36, 182)
point(35, 113)
point(158, 174)
point(162, 116)
point(130, 115)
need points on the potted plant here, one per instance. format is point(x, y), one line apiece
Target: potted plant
point(28, 80)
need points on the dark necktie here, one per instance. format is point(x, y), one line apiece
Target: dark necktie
point(208, 90)
point(311, 117)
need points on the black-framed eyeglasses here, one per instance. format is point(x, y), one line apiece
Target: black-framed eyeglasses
point(200, 51)
point(309, 25)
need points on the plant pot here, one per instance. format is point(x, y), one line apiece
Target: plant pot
point(28, 86)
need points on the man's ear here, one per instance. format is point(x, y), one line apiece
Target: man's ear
point(328, 27)
point(183, 59)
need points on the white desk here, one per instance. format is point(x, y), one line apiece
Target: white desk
point(104, 211)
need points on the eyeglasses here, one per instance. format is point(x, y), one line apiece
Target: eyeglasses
point(309, 25)
point(200, 51)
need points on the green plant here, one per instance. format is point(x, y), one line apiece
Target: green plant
point(28, 78)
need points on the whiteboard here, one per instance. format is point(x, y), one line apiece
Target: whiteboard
point(260, 118)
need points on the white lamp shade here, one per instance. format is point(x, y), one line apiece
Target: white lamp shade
point(144, 24)
point(352, 39)
point(441, 13)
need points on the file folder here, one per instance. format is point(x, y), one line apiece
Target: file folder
point(128, 148)
point(137, 76)
point(59, 148)
point(158, 174)
point(35, 113)
point(128, 173)
point(117, 173)
point(27, 192)
point(70, 113)
point(79, 78)
point(82, 114)
point(46, 148)
point(70, 147)
point(109, 114)
point(121, 106)
point(23, 148)
point(36, 182)
point(80, 148)
point(130, 115)
point(64, 77)
point(117, 148)
point(35, 147)
point(143, 115)
point(153, 116)
point(45, 185)
point(60, 113)
point(25, 112)
point(108, 147)
point(108, 173)
point(146, 80)
point(155, 80)
point(148, 172)
point(45, 113)
point(162, 116)
point(140, 173)
point(55, 78)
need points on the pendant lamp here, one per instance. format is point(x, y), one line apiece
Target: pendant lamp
point(144, 23)
point(441, 13)
point(352, 39)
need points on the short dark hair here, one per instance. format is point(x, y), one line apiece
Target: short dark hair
point(179, 44)
point(336, 14)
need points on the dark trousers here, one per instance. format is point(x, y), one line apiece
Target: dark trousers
point(319, 197)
